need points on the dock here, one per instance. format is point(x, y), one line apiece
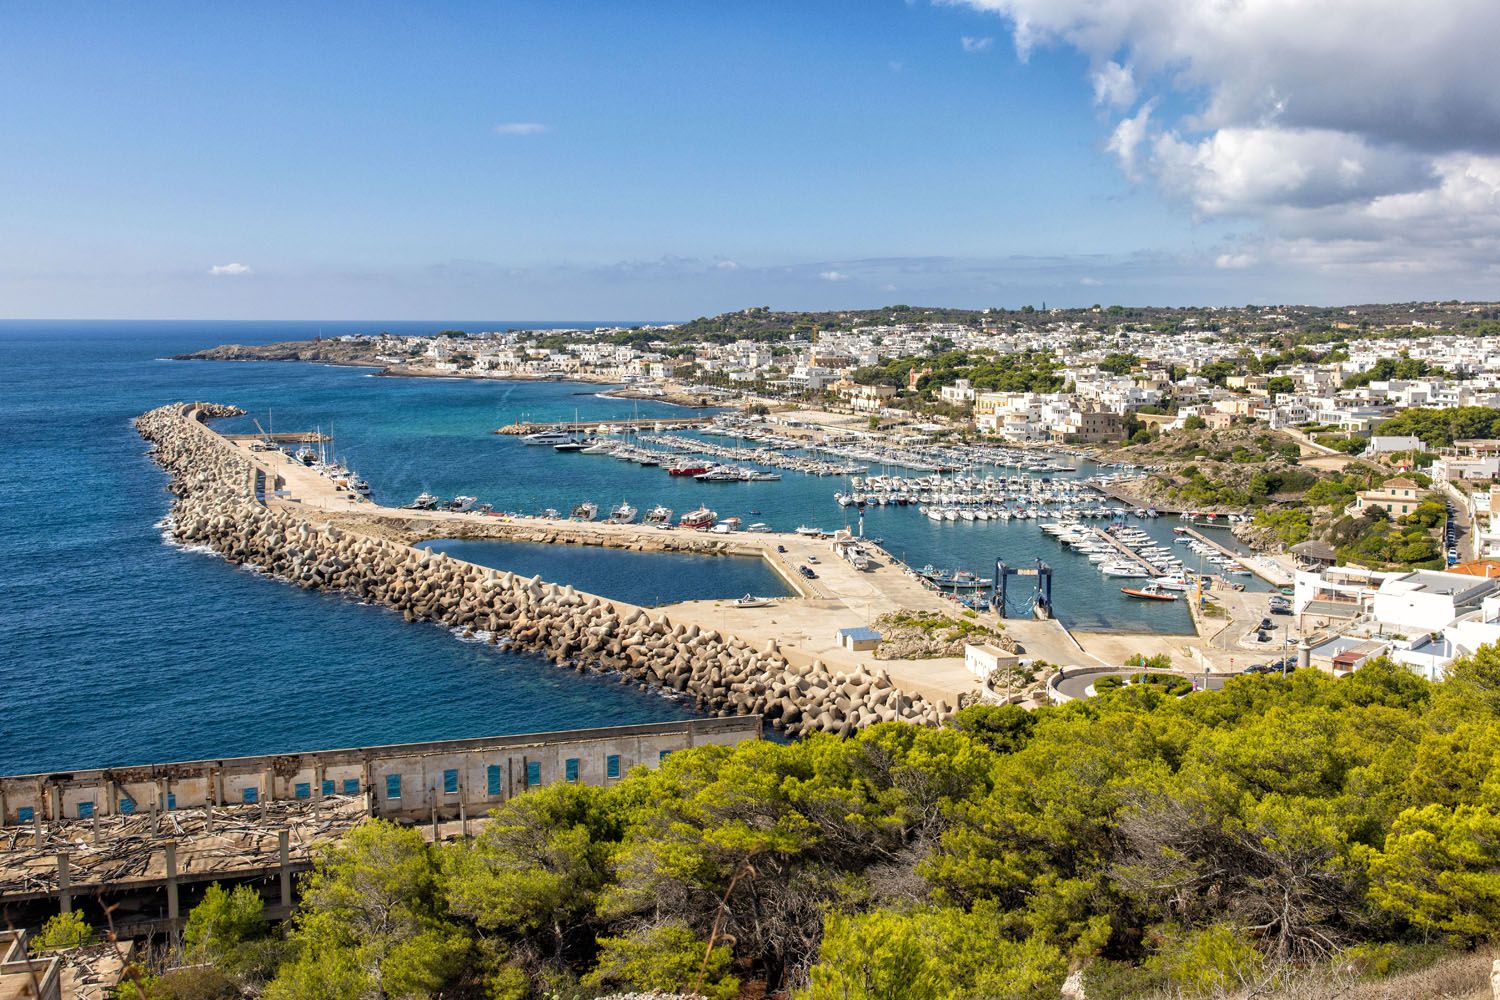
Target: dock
point(1274, 577)
point(1129, 553)
point(288, 437)
point(577, 426)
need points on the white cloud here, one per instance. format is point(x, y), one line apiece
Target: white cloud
point(1234, 261)
point(833, 276)
point(1114, 85)
point(233, 270)
point(1090, 282)
point(972, 44)
point(726, 265)
point(520, 128)
point(1127, 137)
point(1367, 128)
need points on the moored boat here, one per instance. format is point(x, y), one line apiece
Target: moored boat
point(1150, 592)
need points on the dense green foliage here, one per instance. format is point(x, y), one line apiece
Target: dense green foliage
point(65, 930)
point(1172, 843)
point(1025, 371)
point(1441, 427)
point(1387, 369)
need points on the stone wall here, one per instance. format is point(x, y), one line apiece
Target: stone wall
point(217, 506)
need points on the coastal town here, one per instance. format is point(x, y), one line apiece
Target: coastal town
point(1354, 451)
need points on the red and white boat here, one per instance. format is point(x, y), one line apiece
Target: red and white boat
point(1150, 592)
point(701, 518)
point(687, 468)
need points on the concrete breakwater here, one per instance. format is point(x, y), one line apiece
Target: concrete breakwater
point(218, 489)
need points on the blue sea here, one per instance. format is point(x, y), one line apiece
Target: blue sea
point(117, 647)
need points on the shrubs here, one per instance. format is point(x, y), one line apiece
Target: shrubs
point(66, 930)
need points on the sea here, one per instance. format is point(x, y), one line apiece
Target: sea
point(119, 647)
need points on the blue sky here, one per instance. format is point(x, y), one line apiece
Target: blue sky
point(527, 160)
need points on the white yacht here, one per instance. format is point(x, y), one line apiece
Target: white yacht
point(547, 437)
point(623, 514)
point(660, 516)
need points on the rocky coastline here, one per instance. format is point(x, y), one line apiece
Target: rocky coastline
point(216, 505)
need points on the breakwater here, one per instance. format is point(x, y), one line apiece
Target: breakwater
point(218, 504)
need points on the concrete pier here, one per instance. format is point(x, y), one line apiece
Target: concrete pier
point(805, 626)
point(1274, 576)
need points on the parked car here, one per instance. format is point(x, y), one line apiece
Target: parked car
point(1266, 625)
point(781, 548)
point(807, 572)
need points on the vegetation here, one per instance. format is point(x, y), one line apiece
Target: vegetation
point(1387, 369)
point(65, 930)
point(1182, 845)
point(1439, 428)
point(1025, 371)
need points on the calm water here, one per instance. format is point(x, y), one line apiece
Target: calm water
point(121, 649)
point(644, 578)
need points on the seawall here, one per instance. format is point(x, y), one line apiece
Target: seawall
point(218, 504)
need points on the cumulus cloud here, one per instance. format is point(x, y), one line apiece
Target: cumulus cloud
point(520, 128)
point(972, 44)
point(727, 265)
point(1233, 261)
point(1370, 128)
point(232, 270)
point(833, 276)
point(1114, 85)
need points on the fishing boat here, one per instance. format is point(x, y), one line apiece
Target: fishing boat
point(1150, 592)
point(623, 514)
point(753, 602)
point(700, 519)
point(687, 468)
point(462, 504)
point(660, 516)
point(424, 501)
point(586, 511)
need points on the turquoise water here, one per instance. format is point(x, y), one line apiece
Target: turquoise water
point(121, 649)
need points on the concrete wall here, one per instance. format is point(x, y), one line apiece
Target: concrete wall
point(423, 771)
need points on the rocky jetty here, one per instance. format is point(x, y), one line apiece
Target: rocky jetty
point(216, 505)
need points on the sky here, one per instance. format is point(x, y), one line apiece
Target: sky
point(663, 160)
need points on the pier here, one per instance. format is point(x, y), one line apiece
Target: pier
point(285, 437)
point(1275, 577)
point(1129, 553)
point(806, 626)
point(580, 426)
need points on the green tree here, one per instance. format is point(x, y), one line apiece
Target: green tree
point(931, 954)
point(372, 919)
point(668, 958)
point(64, 930)
point(227, 929)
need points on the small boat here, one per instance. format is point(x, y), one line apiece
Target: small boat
point(586, 511)
point(759, 527)
point(552, 513)
point(660, 516)
point(424, 501)
point(702, 518)
point(623, 514)
point(1150, 592)
point(462, 504)
point(753, 602)
point(807, 532)
point(684, 468)
point(572, 444)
